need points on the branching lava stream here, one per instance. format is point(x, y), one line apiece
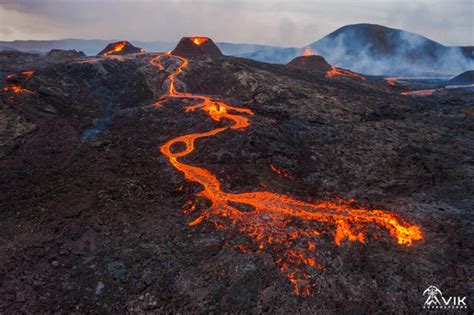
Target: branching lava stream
point(286, 228)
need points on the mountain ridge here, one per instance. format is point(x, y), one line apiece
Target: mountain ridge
point(372, 49)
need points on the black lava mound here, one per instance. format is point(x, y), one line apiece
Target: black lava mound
point(314, 63)
point(189, 47)
point(65, 54)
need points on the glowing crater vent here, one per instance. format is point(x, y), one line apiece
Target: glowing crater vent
point(308, 52)
point(199, 40)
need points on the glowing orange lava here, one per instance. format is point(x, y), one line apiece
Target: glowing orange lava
point(392, 81)
point(27, 73)
point(429, 92)
point(199, 40)
point(334, 72)
point(15, 89)
point(280, 171)
point(460, 86)
point(117, 47)
point(308, 52)
point(286, 228)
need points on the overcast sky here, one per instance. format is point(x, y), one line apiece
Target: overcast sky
point(282, 23)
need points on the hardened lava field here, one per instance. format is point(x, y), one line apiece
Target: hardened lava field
point(160, 183)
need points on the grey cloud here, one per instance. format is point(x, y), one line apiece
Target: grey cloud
point(283, 23)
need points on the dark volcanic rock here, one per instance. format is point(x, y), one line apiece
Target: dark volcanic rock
point(464, 78)
point(196, 46)
point(65, 55)
point(97, 225)
point(313, 63)
point(16, 60)
point(119, 48)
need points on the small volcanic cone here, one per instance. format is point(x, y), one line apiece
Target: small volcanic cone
point(120, 48)
point(464, 78)
point(189, 47)
point(310, 62)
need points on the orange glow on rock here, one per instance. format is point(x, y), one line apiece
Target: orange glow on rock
point(392, 81)
point(280, 171)
point(308, 52)
point(334, 72)
point(117, 47)
point(199, 40)
point(27, 73)
point(286, 228)
point(429, 92)
point(15, 89)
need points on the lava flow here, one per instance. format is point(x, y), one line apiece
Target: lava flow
point(429, 92)
point(334, 72)
point(16, 89)
point(286, 228)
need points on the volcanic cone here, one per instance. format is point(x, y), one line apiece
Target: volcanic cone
point(120, 48)
point(196, 46)
point(313, 62)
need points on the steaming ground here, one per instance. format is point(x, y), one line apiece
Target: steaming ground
point(97, 224)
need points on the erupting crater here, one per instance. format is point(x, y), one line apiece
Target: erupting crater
point(286, 228)
point(195, 46)
point(120, 48)
point(310, 61)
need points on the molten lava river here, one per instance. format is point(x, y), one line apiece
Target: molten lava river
point(280, 225)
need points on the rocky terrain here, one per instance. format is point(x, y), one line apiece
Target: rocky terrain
point(95, 219)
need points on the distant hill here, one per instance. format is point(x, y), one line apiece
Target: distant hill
point(6, 48)
point(272, 54)
point(376, 49)
point(464, 78)
point(365, 48)
point(93, 46)
point(89, 46)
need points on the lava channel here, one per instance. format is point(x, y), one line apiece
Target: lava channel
point(337, 72)
point(271, 223)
